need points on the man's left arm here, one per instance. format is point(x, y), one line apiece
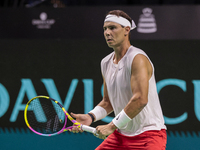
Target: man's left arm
point(140, 76)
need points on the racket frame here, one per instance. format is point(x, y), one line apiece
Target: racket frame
point(79, 125)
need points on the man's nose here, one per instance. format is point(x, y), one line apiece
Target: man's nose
point(107, 32)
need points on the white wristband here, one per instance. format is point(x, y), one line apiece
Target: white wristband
point(99, 113)
point(121, 120)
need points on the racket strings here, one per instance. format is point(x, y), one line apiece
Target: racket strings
point(53, 116)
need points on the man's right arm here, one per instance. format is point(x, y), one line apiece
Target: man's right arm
point(105, 103)
point(87, 119)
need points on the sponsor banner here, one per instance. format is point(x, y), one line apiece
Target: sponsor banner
point(68, 70)
point(153, 22)
point(43, 22)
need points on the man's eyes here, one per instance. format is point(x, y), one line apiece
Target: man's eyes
point(111, 28)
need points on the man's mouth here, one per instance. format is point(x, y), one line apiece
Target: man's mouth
point(108, 40)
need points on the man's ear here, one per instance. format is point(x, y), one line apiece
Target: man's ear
point(127, 30)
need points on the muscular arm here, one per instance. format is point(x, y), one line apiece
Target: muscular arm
point(86, 119)
point(140, 75)
point(105, 103)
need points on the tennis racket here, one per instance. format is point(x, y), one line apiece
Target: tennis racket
point(47, 117)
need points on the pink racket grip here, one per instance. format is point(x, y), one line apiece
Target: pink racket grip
point(88, 129)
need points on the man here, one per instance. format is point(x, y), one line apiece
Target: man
point(129, 91)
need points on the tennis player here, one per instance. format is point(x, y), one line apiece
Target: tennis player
point(129, 90)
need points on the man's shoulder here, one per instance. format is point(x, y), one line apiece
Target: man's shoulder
point(135, 50)
point(107, 58)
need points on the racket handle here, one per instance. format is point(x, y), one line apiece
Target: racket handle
point(88, 129)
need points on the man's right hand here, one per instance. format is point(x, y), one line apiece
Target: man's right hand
point(84, 119)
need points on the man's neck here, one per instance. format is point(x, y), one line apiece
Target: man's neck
point(120, 52)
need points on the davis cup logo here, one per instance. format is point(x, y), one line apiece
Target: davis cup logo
point(43, 22)
point(147, 22)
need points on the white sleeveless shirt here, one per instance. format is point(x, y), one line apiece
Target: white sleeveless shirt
point(117, 77)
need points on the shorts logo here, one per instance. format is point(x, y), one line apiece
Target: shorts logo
point(147, 22)
point(43, 22)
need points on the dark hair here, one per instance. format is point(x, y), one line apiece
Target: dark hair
point(122, 14)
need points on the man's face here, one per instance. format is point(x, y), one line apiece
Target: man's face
point(114, 34)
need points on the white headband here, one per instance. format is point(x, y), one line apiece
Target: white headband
point(120, 20)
